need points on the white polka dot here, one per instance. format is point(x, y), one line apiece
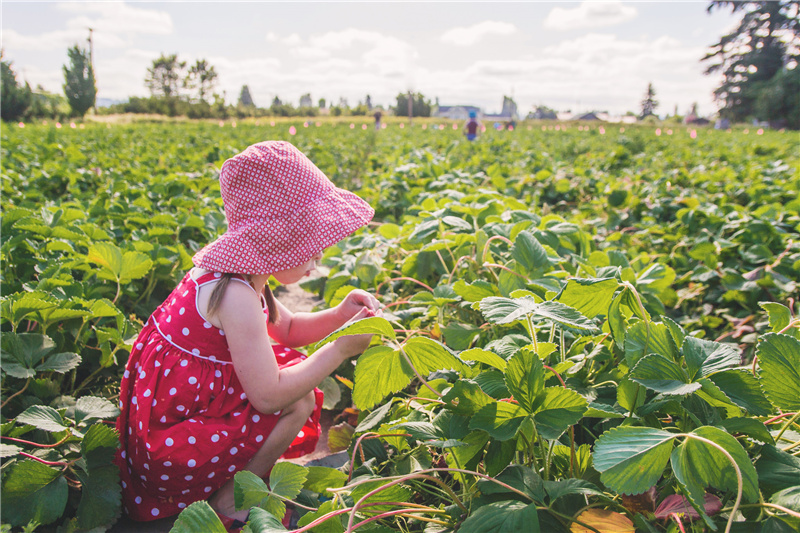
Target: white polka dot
point(162, 489)
point(167, 463)
point(173, 301)
point(123, 454)
point(158, 364)
point(243, 396)
point(124, 485)
point(185, 331)
point(142, 375)
point(217, 275)
point(181, 505)
point(181, 408)
point(277, 413)
point(154, 512)
point(138, 499)
point(211, 386)
point(256, 418)
point(192, 440)
point(231, 468)
point(139, 345)
point(147, 393)
point(192, 463)
point(140, 425)
point(207, 489)
point(207, 325)
point(158, 348)
point(169, 442)
point(173, 391)
point(154, 402)
point(214, 459)
point(214, 438)
point(217, 374)
point(259, 438)
point(163, 419)
point(166, 372)
point(301, 434)
point(169, 338)
point(211, 475)
point(234, 451)
point(195, 351)
point(182, 310)
point(224, 433)
point(192, 380)
point(185, 491)
point(212, 358)
point(187, 478)
point(244, 429)
point(230, 390)
point(169, 319)
point(185, 293)
point(237, 413)
point(184, 363)
point(164, 477)
point(126, 375)
point(222, 333)
point(134, 401)
point(120, 404)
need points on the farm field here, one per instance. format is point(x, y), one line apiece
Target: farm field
point(588, 327)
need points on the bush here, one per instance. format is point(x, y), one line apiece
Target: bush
point(14, 99)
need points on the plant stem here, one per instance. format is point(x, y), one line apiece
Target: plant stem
point(532, 331)
point(424, 381)
point(786, 426)
point(486, 246)
point(400, 512)
point(769, 505)
point(59, 443)
point(495, 265)
point(27, 382)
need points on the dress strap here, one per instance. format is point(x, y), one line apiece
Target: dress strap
point(213, 277)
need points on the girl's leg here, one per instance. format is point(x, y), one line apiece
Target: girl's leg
point(291, 421)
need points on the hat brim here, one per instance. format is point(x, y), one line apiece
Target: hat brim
point(286, 240)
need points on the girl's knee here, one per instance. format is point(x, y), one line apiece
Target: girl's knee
point(307, 403)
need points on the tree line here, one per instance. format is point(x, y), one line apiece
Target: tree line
point(758, 61)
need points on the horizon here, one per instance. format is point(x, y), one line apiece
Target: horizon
point(577, 56)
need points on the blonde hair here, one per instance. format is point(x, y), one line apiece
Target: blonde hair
point(222, 285)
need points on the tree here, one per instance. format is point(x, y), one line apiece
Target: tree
point(419, 106)
point(766, 41)
point(305, 100)
point(79, 85)
point(649, 104)
point(14, 99)
point(163, 77)
point(321, 103)
point(779, 99)
point(245, 99)
point(368, 102)
point(202, 77)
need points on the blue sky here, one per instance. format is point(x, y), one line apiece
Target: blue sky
point(579, 56)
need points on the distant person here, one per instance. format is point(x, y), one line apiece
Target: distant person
point(472, 127)
point(377, 116)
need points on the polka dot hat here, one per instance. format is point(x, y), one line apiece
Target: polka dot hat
point(281, 211)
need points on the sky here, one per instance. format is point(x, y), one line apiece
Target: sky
point(576, 56)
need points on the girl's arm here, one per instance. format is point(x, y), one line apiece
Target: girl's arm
point(269, 388)
point(302, 329)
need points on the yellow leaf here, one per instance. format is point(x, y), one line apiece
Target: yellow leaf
point(603, 521)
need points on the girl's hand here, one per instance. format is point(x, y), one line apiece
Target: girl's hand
point(356, 301)
point(352, 345)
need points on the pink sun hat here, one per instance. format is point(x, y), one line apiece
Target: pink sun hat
point(281, 211)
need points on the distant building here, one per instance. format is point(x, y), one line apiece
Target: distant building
point(587, 116)
point(509, 112)
point(456, 112)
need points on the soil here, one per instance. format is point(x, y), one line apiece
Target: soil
point(296, 300)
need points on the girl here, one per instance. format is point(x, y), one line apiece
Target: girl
point(205, 394)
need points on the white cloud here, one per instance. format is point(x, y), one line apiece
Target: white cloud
point(589, 14)
point(466, 36)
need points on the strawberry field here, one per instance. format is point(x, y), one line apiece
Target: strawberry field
point(587, 328)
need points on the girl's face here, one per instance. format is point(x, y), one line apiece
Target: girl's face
point(295, 274)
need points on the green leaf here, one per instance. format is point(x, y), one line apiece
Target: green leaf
point(18, 306)
point(499, 310)
point(499, 455)
point(662, 375)
point(632, 459)
point(428, 355)
point(630, 395)
point(503, 517)
point(459, 336)
point(566, 487)
point(779, 358)
point(93, 408)
point(777, 470)
point(99, 445)
point(261, 521)
point(42, 417)
point(59, 362)
point(743, 390)
point(789, 498)
point(524, 378)
point(557, 409)
point(321, 478)
point(475, 291)
point(380, 371)
point(286, 479)
point(501, 420)
point(198, 516)
point(33, 491)
point(565, 316)
point(484, 356)
point(704, 358)
point(23, 352)
point(371, 326)
point(590, 297)
point(395, 493)
point(755, 429)
point(529, 253)
point(466, 398)
point(779, 317)
point(697, 465)
point(520, 477)
point(101, 497)
point(641, 340)
point(602, 410)
point(332, 525)
point(249, 490)
point(8, 450)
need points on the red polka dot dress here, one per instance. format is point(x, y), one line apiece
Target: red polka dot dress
point(186, 426)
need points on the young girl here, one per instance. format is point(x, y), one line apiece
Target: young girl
point(205, 393)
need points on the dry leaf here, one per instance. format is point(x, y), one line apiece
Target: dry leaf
point(604, 521)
